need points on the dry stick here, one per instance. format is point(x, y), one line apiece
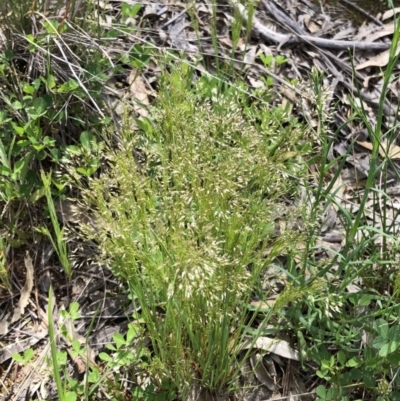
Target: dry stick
point(259, 29)
point(282, 16)
point(282, 39)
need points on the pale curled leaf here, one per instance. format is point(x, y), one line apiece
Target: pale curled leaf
point(264, 306)
point(380, 60)
point(275, 346)
point(256, 361)
point(250, 57)
point(389, 14)
point(385, 150)
point(386, 30)
point(139, 93)
point(23, 300)
point(311, 25)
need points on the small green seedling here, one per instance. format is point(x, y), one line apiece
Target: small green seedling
point(24, 358)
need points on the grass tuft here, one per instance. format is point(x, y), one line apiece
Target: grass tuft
point(188, 231)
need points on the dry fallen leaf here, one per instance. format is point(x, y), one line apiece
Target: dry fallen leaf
point(311, 25)
point(385, 30)
point(260, 371)
point(139, 93)
point(380, 60)
point(275, 346)
point(385, 150)
point(250, 57)
point(23, 300)
point(263, 306)
point(389, 14)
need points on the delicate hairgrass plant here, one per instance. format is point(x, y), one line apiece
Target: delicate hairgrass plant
point(189, 231)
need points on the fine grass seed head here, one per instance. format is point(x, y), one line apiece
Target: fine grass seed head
point(183, 229)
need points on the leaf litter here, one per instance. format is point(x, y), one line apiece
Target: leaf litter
point(307, 37)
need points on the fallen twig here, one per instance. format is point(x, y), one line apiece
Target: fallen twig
point(282, 39)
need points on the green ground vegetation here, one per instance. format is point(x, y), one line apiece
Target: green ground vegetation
point(186, 202)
